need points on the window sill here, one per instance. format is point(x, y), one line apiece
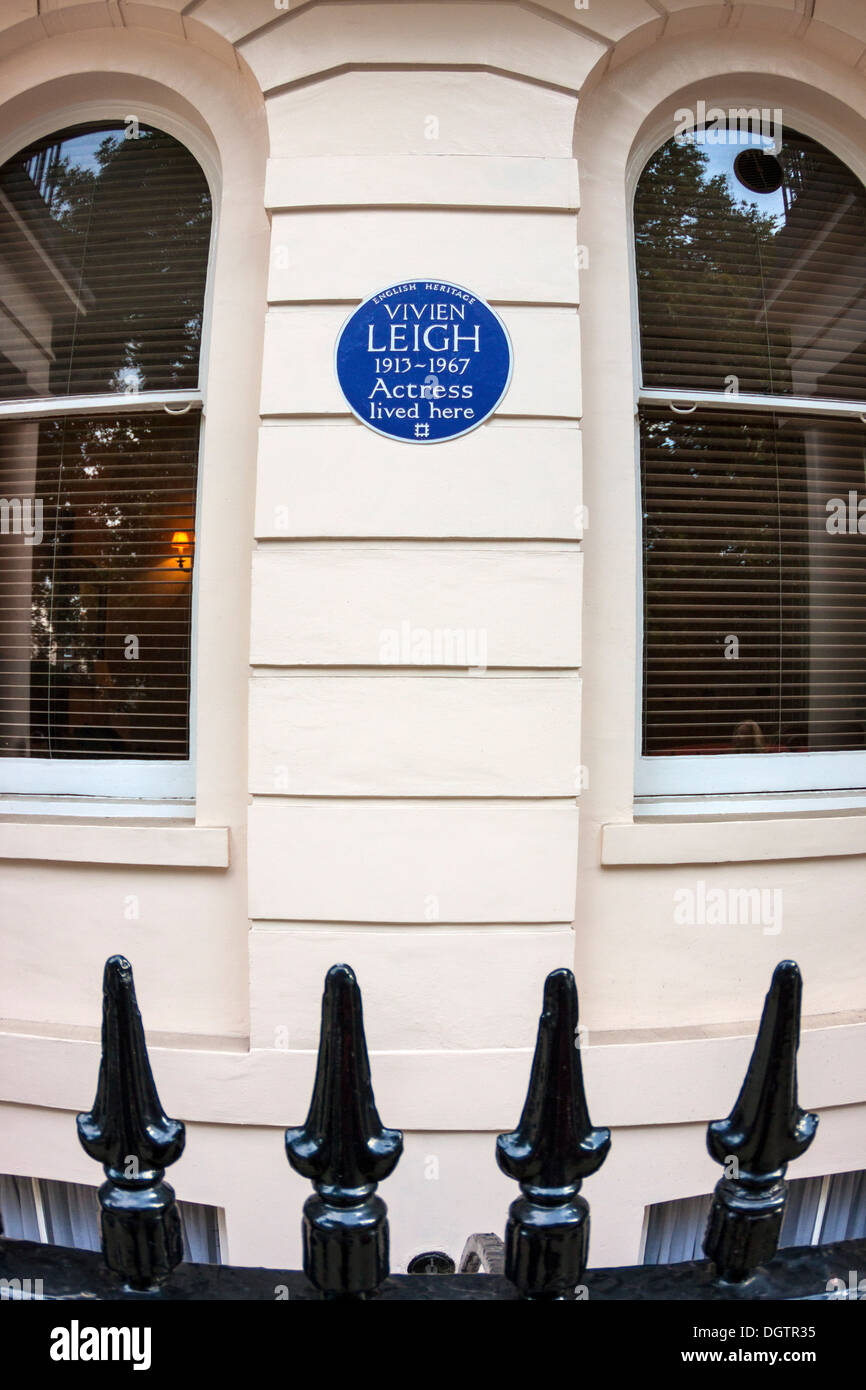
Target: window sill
point(147, 842)
point(728, 841)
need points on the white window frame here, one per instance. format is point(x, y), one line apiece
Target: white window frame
point(727, 774)
point(124, 780)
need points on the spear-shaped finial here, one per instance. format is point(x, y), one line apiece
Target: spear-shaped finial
point(764, 1132)
point(550, 1153)
point(345, 1151)
point(128, 1132)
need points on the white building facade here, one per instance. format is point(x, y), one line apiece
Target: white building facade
point(453, 829)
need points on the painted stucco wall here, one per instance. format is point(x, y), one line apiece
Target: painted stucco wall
point(451, 834)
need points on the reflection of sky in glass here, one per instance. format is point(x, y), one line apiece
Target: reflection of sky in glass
point(81, 149)
point(720, 160)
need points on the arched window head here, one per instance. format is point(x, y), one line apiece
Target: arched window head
point(751, 278)
point(104, 237)
point(751, 263)
point(104, 234)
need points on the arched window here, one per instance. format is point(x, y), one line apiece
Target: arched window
point(751, 273)
point(104, 239)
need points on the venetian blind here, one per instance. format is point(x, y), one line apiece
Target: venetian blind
point(95, 618)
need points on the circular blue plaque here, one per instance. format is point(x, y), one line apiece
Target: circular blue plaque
point(424, 360)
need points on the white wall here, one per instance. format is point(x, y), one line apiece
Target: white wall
point(434, 801)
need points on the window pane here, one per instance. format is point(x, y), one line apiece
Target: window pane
point(95, 585)
point(104, 235)
point(754, 583)
point(766, 287)
point(72, 1219)
point(675, 1230)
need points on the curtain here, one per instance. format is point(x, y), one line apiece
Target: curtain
point(819, 1210)
point(68, 1214)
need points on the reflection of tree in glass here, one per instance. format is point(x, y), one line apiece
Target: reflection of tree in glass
point(137, 231)
point(115, 489)
point(703, 259)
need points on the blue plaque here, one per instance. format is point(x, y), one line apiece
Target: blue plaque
point(423, 361)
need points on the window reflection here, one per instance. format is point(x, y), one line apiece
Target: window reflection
point(744, 540)
point(766, 288)
point(95, 616)
point(104, 234)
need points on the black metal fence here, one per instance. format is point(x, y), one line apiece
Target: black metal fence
point(345, 1151)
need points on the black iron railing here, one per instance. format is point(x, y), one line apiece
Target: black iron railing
point(345, 1151)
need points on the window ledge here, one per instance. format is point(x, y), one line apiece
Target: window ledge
point(157, 842)
point(732, 841)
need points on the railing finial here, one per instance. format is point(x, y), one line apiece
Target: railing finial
point(764, 1132)
point(344, 1149)
point(550, 1153)
point(128, 1132)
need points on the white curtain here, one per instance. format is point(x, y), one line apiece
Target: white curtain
point(67, 1213)
point(18, 1208)
point(676, 1230)
point(71, 1214)
point(845, 1215)
point(201, 1241)
point(805, 1198)
point(819, 1210)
